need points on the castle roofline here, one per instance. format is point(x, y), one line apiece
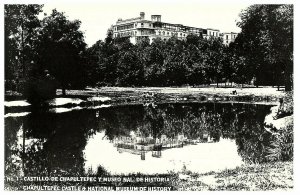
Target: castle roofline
point(128, 20)
point(212, 29)
point(230, 33)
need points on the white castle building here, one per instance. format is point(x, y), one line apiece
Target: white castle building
point(228, 37)
point(139, 27)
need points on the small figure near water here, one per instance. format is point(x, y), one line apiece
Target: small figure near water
point(234, 92)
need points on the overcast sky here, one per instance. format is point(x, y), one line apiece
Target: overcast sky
point(97, 17)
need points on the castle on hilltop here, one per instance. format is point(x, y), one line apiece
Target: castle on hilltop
point(138, 28)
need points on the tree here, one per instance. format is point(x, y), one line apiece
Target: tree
point(21, 31)
point(229, 65)
point(175, 67)
point(93, 58)
point(61, 49)
point(155, 70)
point(266, 42)
point(215, 59)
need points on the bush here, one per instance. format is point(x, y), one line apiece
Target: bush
point(36, 91)
point(282, 147)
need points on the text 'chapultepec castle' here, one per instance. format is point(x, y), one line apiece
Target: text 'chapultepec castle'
point(139, 27)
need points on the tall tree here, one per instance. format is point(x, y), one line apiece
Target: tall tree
point(215, 59)
point(155, 70)
point(266, 42)
point(21, 31)
point(61, 49)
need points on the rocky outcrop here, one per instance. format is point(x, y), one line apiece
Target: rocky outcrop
point(273, 123)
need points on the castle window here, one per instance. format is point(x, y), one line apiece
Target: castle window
point(227, 37)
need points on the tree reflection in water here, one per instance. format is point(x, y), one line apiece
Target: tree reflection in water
point(54, 142)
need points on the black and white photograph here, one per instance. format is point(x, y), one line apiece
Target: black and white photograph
point(156, 95)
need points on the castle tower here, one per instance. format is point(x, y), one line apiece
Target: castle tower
point(156, 18)
point(142, 15)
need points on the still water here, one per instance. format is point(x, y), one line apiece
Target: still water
point(149, 139)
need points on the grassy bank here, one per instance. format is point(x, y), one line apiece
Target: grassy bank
point(268, 176)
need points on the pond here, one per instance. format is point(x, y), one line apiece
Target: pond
point(143, 138)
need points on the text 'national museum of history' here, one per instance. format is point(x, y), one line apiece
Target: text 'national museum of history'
point(139, 27)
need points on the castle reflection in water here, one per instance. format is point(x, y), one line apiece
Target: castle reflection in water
point(138, 144)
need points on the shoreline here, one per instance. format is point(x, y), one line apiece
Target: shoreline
point(263, 95)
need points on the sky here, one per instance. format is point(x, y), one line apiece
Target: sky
point(97, 17)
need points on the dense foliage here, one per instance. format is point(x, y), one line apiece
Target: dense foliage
point(266, 44)
point(41, 54)
point(171, 62)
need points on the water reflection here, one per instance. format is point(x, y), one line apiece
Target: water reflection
point(136, 138)
point(202, 157)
